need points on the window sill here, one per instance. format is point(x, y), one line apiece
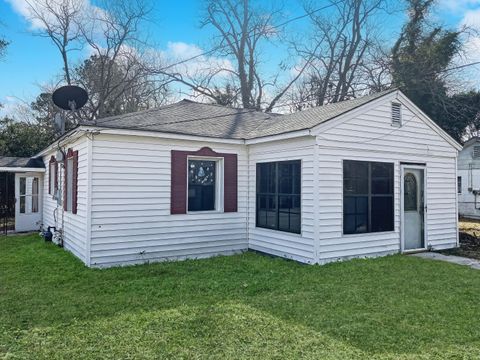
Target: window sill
point(369, 234)
point(205, 212)
point(280, 231)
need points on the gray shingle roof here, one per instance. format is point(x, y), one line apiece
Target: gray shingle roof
point(192, 118)
point(9, 161)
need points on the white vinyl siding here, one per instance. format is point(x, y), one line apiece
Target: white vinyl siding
point(298, 247)
point(131, 220)
point(74, 225)
point(369, 137)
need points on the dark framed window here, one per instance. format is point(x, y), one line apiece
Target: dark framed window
point(201, 185)
point(459, 184)
point(367, 197)
point(279, 196)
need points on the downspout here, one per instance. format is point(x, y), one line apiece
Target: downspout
point(456, 199)
point(316, 205)
point(88, 240)
point(247, 230)
point(470, 177)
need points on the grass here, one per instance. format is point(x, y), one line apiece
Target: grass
point(245, 306)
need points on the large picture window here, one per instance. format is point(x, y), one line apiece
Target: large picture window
point(367, 197)
point(201, 185)
point(279, 196)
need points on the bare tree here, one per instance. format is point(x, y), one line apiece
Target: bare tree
point(241, 29)
point(115, 74)
point(340, 52)
point(58, 21)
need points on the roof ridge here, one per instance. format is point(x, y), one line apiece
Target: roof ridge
point(372, 96)
point(223, 106)
point(205, 118)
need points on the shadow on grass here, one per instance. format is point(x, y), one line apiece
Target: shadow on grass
point(241, 304)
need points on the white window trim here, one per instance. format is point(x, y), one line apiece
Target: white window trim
point(219, 184)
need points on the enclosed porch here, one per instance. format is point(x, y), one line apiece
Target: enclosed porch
point(21, 181)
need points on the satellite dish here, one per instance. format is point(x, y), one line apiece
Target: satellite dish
point(70, 97)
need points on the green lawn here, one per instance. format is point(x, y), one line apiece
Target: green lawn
point(245, 306)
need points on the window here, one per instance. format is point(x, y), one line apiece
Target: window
point(52, 177)
point(367, 197)
point(69, 183)
point(23, 195)
point(459, 184)
point(410, 189)
point(201, 185)
point(224, 197)
point(396, 114)
point(279, 196)
point(35, 195)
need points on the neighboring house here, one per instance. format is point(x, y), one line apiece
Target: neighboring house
point(365, 177)
point(468, 181)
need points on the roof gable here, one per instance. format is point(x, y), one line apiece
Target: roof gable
point(397, 96)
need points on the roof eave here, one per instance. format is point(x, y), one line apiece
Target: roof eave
point(20, 169)
point(164, 134)
point(276, 137)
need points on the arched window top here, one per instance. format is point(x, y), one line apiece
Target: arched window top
point(410, 191)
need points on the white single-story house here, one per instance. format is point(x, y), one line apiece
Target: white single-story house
point(468, 180)
point(365, 177)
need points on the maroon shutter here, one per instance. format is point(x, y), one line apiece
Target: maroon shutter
point(178, 196)
point(65, 172)
point(56, 176)
point(75, 182)
point(230, 182)
point(51, 176)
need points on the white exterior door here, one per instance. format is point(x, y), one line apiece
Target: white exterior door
point(413, 208)
point(28, 215)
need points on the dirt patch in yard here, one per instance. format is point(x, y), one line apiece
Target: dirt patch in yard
point(469, 231)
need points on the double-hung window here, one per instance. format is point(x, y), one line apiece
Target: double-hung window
point(367, 197)
point(202, 185)
point(279, 196)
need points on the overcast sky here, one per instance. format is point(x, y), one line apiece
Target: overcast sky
point(174, 29)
